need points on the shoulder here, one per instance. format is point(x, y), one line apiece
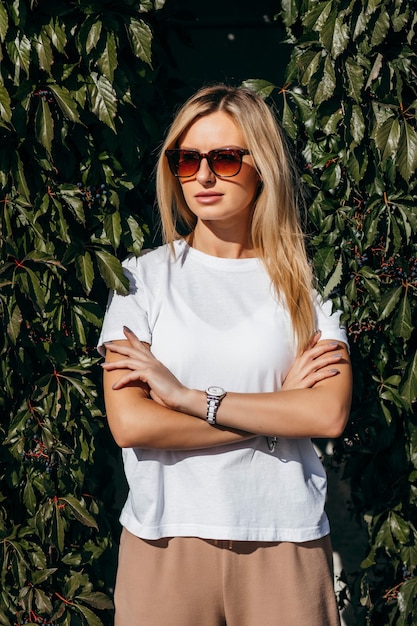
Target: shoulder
point(152, 257)
point(328, 318)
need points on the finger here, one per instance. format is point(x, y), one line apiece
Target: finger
point(133, 339)
point(128, 379)
point(315, 338)
point(323, 374)
point(125, 350)
point(322, 348)
point(317, 377)
point(325, 360)
point(122, 364)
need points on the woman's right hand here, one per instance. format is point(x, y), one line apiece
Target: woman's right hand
point(316, 363)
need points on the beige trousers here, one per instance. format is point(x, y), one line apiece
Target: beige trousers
point(185, 581)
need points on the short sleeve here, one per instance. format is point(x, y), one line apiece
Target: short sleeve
point(328, 321)
point(130, 310)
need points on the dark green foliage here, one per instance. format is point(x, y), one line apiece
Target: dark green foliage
point(78, 117)
point(350, 107)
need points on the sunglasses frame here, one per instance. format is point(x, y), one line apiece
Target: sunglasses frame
point(207, 155)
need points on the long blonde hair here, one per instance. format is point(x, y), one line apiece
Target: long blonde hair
point(276, 226)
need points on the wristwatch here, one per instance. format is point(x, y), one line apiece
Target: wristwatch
point(214, 396)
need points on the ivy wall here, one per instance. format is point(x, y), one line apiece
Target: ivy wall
point(82, 106)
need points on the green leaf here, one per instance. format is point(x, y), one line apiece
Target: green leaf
point(355, 80)
point(399, 527)
point(340, 37)
point(316, 18)
point(19, 53)
point(91, 618)
point(327, 83)
point(387, 138)
point(103, 100)
point(14, 324)
point(262, 87)
point(59, 533)
point(40, 576)
point(43, 48)
point(85, 270)
point(357, 165)
point(289, 12)
point(29, 498)
point(407, 151)
point(107, 62)
point(65, 102)
point(93, 35)
point(334, 279)
point(357, 125)
point(4, 22)
point(43, 603)
point(20, 179)
point(136, 233)
point(112, 272)
point(79, 511)
point(402, 324)
point(388, 302)
point(56, 34)
point(44, 125)
point(113, 228)
point(5, 105)
point(380, 30)
point(288, 120)
point(96, 599)
point(72, 197)
point(408, 388)
point(140, 40)
point(324, 261)
point(407, 598)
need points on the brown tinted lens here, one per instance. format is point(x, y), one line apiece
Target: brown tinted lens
point(187, 163)
point(225, 162)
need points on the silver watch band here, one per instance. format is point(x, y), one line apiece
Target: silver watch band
point(214, 396)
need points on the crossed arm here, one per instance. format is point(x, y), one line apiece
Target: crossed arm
point(148, 407)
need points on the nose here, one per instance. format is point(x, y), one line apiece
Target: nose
point(204, 174)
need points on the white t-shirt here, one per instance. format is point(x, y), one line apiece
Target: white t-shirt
point(216, 321)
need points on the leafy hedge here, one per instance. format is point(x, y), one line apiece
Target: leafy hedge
point(350, 106)
point(78, 115)
point(80, 109)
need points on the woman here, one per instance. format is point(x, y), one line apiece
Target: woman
point(215, 381)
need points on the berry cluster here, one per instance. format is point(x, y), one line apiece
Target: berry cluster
point(40, 455)
point(93, 194)
point(45, 94)
point(398, 271)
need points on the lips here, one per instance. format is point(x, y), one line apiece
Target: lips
point(207, 197)
point(207, 194)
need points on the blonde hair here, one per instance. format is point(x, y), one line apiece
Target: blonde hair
point(276, 225)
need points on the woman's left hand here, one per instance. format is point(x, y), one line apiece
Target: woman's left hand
point(164, 388)
point(318, 362)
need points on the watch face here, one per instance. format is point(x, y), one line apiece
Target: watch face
point(216, 391)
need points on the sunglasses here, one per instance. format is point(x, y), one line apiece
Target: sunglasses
point(223, 162)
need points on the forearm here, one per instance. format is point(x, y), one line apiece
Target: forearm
point(138, 421)
point(294, 413)
point(313, 403)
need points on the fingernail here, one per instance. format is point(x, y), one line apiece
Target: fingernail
point(337, 356)
point(127, 329)
point(334, 371)
point(333, 343)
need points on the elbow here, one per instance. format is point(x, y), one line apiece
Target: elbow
point(125, 436)
point(121, 437)
point(336, 422)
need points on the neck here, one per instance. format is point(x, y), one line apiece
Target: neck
point(221, 242)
